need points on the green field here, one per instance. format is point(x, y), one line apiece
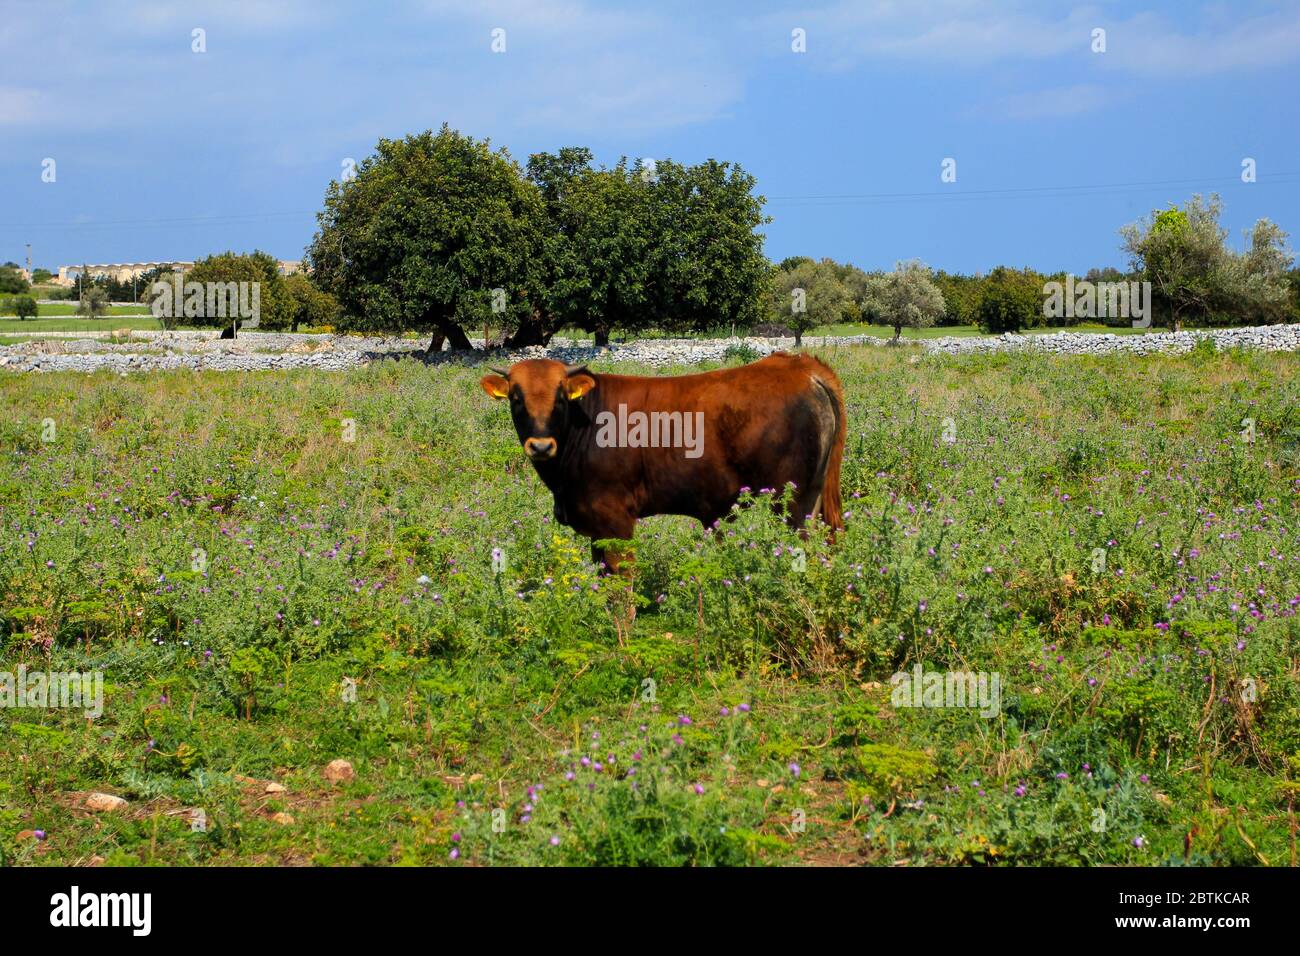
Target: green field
point(67, 322)
point(264, 597)
point(55, 309)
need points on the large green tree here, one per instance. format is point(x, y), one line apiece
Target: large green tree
point(708, 267)
point(436, 233)
point(599, 240)
point(636, 247)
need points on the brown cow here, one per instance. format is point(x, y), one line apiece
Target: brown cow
point(615, 448)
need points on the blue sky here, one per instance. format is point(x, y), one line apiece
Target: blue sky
point(162, 152)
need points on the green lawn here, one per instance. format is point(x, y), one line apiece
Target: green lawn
point(70, 308)
point(64, 319)
point(278, 570)
point(57, 322)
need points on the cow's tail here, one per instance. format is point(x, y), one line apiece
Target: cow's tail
point(832, 506)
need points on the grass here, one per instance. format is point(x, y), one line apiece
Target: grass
point(69, 309)
point(263, 597)
point(65, 322)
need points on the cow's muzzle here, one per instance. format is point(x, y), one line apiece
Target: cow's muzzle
point(540, 449)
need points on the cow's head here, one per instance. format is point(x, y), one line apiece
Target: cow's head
point(542, 393)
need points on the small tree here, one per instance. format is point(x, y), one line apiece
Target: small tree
point(961, 297)
point(24, 307)
point(905, 297)
point(1261, 284)
point(259, 269)
point(94, 301)
point(806, 297)
point(11, 279)
point(307, 304)
point(1011, 300)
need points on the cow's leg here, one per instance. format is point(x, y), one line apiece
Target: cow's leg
point(613, 524)
point(803, 509)
point(616, 560)
point(611, 560)
point(620, 561)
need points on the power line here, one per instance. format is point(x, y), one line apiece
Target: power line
point(831, 199)
point(949, 195)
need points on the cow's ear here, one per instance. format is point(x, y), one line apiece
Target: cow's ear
point(579, 385)
point(495, 385)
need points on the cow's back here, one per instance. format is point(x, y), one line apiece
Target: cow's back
point(774, 422)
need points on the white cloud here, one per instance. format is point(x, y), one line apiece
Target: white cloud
point(1060, 101)
point(159, 16)
point(1149, 45)
point(577, 66)
point(978, 32)
point(19, 105)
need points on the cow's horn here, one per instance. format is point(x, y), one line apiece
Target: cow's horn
point(500, 371)
point(576, 370)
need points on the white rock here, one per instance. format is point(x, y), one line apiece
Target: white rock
point(105, 803)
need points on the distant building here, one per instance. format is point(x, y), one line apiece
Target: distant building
point(126, 271)
point(118, 271)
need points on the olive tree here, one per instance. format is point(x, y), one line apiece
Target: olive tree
point(905, 297)
point(1194, 275)
point(808, 296)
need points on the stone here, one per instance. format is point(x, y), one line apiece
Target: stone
point(336, 771)
point(105, 803)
